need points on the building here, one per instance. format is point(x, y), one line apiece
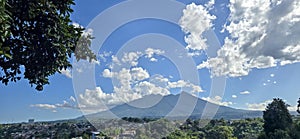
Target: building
point(31, 121)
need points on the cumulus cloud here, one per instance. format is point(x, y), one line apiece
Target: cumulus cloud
point(126, 76)
point(262, 34)
point(66, 72)
point(192, 88)
point(196, 20)
point(234, 96)
point(107, 73)
point(245, 93)
point(131, 58)
point(99, 101)
point(139, 74)
point(258, 106)
point(97, 98)
point(150, 52)
point(148, 88)
point(217, 100)
point(71, 103)
point(131, 84)
point(210, 4)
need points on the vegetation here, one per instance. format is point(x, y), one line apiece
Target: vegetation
point(277, 119)
point(53, 130)
point(276, 123)
point(36, 39)
point(139, 120)
point(219, 129)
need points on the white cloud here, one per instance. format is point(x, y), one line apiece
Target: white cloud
point(234, 96)
point(272, 75)
point(147, 88)
point(264, 84)
point(194, 53)
point(96, 62)
point(103, 56)
point(131, 84)
point(131, 58)
point(65, 104)
point(153, 59)
point(150, 52)
point(217, 100)
point(139, 74)
point(66, 72)
point(210, 4)
point(258, 106)
point(115, 60)
point(71, 103)
point(97, 100)
point(159, 79)
point(293, 108)
point(245, 92)
point(72, 99)
point(124, 77)
point(87, 32)
point(107, 73)
point(192, 88)
point(196, 20)
point(263, 34)
point(127, 76)
point(44, 106)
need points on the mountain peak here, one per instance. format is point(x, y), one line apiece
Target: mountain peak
point(179, 105)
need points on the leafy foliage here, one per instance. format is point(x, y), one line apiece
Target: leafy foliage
point(4, 28)
point(219, 129)
point(37, 37)
point(276, 117)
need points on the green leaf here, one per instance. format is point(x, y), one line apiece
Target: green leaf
point(8, 56)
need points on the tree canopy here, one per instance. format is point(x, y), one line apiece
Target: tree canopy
point(37, 38)
point(276, 117)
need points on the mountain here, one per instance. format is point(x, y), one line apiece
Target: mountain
point(174, 106)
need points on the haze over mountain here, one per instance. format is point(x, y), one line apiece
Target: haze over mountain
point(178, 106)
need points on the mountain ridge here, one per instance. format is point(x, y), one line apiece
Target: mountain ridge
point(180, 106)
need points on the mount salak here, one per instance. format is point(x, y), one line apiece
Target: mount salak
point(178, 106)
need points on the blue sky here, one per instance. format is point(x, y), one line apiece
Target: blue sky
point(256, 71)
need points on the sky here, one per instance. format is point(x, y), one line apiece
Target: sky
point(251, 48)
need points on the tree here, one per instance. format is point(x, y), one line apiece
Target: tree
point(298, 106)
point(277, 118)
point(37, 38)
point(221, 132)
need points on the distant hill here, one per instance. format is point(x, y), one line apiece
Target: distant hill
point(186, 105)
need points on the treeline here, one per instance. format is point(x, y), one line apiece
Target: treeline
point(139, 120)
point(277, 123)
point(219, 129)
